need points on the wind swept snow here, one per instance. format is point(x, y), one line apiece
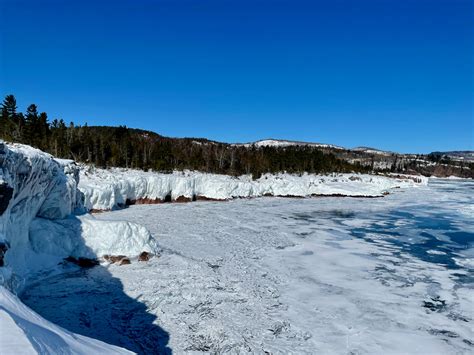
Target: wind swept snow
point(23, 331)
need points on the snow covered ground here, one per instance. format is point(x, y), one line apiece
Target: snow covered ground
point(25, 332)
point(320, 275)
point(108, 189)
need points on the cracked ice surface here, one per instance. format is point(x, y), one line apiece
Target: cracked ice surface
point(331, 275)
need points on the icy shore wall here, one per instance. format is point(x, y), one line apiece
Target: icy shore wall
point(32, 184)
point(38, 228)
point(112, 188)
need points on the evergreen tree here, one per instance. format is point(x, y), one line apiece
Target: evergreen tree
point(31, 133)
point(8, 118)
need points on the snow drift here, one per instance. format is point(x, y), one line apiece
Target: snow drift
point(109, 189)
point(86, 237)
point(25, 332)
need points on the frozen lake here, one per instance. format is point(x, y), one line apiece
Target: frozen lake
point(331, 275)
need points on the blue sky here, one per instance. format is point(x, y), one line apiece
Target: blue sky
point(393, 74)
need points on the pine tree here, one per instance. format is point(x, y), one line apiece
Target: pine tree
point(31, 132)
point(8, 118)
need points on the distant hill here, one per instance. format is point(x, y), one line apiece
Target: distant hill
point(464, 155)
point(285, 143)
point(106, 146)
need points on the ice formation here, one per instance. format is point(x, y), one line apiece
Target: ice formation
point(109, 189)
point(38, 195)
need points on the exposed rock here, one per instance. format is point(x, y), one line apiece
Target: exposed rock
point(144, 256)
point(124, 261)
point(290, 196)
point(204, 198)
point(118, 259)
point(6, 193)
point(183, 199)
point(144, 201)
point(3, 250)
point(97, 211)
point(342, 195)
point(114, 258)
point(82, 262)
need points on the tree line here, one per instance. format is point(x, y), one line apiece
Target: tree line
point(105, 146)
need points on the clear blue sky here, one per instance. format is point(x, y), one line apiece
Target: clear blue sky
point(393, 74)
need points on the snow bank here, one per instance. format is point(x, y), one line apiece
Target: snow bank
point(108, 189)
point(86, 237)
point(25, 332)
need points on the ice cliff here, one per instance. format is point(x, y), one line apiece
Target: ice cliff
point(38, 227)
point(112, 188)
point(41, 223)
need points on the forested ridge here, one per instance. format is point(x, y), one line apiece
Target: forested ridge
point(135, 148)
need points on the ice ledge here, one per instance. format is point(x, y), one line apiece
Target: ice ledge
point(113, 188)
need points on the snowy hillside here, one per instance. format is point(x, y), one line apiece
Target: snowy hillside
point(286, 143)
point(108, 189)
point(369, 150)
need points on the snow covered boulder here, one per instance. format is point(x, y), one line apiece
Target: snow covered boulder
point(86, 237)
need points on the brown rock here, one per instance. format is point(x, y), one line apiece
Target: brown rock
point(115, 258)
point(93, 211)
point(144, 256)
point(144, 201)
point(204, 198)
point(183, 199)
point(124, 261)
